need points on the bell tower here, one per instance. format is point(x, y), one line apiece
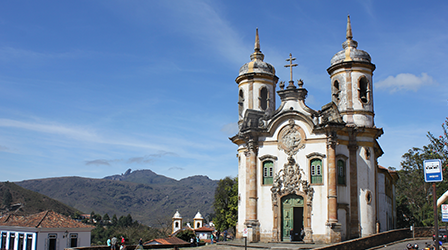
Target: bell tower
point(256, 84)
point(351, 74)
point(177, 222)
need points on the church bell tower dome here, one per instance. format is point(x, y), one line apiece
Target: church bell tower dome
point(351, 74)
point(350, 51)
point(256, 83)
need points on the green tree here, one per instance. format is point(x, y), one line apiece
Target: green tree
point(114, 219)
point(106, 219)
point(414, 195)
point(226, 204)
point(7, 198)
point(186, 235)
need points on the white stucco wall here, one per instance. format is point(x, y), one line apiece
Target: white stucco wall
point(40, 236)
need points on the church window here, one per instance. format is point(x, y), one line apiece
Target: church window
point(268, 172)
point(364, 90)
point(240, 102)
point(198, 225)
point(264, 98)
point(316, 171)
point(369, 197)
point(176, 225)
point(341, 172)
point(336, 91)
point(367, 154)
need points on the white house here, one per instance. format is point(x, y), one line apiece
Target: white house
point(47, 230)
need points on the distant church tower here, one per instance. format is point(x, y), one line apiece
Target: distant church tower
point(198, 221)
point(177, 222)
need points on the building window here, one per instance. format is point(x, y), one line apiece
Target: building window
point(4, 236)
point(73, 240)
point(264, 98)
point(268, 172)
point(29, 241)
point(52, 241)
point(341, 172)
point(12, 240)
point(316, 171)
point(21, 241)
point(198, 225)
point(240, 103)
point(364, 90)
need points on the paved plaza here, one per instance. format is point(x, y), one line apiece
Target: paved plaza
point(239, 245)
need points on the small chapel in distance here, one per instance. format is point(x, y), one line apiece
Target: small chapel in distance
point(311, 169)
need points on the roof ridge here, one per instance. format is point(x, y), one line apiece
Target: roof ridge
point(43, 217)
point(7, 217)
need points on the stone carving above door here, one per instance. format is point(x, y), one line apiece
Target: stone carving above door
point(289, 180)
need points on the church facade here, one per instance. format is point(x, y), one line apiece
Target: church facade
point(305, 169)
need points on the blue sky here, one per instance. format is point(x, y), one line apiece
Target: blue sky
point(93, 88)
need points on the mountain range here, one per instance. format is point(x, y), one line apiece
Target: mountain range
point(150, 198)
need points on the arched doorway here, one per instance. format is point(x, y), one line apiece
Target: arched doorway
point(292, 216)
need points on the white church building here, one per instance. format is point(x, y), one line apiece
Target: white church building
point(316, 169)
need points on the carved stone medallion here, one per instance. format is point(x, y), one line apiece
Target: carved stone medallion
point(291, 138)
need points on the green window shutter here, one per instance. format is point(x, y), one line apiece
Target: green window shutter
point(268, 172)
point(316, 171)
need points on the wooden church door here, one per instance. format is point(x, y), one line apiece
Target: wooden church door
point(292, 216)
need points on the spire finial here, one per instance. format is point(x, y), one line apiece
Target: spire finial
point(349, 43)
point(349, 28)
point(257, 55)
point(257, 41)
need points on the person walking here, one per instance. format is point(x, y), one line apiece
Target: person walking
point(291, 234)
point(114, 243)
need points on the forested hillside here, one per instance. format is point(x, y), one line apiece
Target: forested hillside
point(23, 201)
point(150, 198)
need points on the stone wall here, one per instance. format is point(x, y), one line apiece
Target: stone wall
point(371, 241)
point(383, 238)
point(132, 247)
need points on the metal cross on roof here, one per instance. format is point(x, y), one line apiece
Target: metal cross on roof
point(290, 65)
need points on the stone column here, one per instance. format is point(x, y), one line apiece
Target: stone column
point(251, 222)
point(334, 228)
point(354, 206)
point(332, 181)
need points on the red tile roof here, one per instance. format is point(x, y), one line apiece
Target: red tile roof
point(204, 229)
point(46, 219)
point(167, 241)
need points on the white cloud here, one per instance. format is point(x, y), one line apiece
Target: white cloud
point(404, 81)
point(76, 133)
